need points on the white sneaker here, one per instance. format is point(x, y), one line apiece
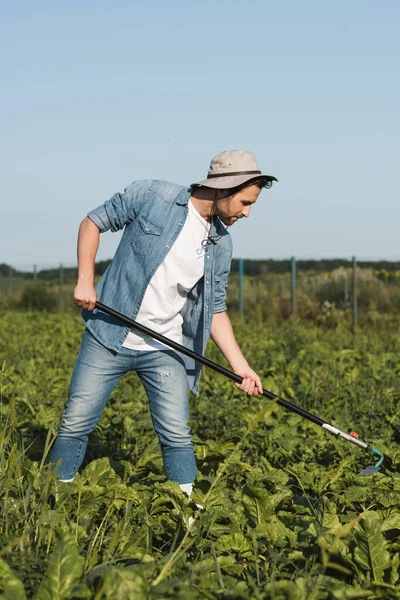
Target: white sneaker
point(191, 520)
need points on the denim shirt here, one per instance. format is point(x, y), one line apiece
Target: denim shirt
point(152, 214)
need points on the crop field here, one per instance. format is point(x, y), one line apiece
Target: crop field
point(287, 517)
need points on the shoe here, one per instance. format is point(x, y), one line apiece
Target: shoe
point(190, 521)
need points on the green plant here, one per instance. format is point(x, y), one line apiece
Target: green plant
point(286, 514)
point(38, 296)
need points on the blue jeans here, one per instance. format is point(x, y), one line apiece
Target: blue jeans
point(96, 373)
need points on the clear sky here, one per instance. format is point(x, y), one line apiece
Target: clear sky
point(97, 94)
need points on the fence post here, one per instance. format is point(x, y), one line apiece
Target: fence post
point(241, 271)
point(61, 285)
point(354, 293)
point(293, 286)
point(34, 273)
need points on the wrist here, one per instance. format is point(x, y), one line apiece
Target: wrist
point(240, 365)
point(85, 279)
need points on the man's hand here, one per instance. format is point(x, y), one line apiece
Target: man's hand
point(251, 383)
point(85, 295)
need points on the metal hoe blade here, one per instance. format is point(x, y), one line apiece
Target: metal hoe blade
point(373, 468)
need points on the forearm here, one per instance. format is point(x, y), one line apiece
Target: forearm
point(88, 243)
point(224, 337)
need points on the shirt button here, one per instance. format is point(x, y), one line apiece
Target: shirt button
point(206, 305)
point(152, 268)
point(147, 228)
point(167, 245)
point(207, 281)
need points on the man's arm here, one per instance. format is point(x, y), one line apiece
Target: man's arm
point(85, 294)
point(114, 214)
point(222, 334)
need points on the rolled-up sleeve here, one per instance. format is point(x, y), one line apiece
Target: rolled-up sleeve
point(121, 209)
point(220, 285)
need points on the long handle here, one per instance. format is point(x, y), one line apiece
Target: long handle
point(209, 363)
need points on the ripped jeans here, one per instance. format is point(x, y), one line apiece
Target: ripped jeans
point(96, 373)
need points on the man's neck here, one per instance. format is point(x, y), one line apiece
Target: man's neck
point(203, 207)
point(202, 199)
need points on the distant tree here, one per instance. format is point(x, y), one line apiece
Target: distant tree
point(252, 267)
point(6, 270)
point(257, 267)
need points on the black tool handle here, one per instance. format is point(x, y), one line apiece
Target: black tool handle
point(206, 361)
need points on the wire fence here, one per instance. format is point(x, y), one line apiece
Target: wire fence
point(326, 296)
point(37, 286)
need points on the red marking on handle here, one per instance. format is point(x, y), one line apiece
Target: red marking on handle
point(354, 434)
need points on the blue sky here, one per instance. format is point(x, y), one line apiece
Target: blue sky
point(98, 94)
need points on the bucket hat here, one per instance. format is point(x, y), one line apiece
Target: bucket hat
point(232, 168)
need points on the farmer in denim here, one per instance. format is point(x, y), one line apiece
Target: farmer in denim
point(170, 272)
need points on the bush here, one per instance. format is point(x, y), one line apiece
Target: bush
point(38, 296)
point(330, 316)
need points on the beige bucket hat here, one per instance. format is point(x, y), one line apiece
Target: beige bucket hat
point(232, 168)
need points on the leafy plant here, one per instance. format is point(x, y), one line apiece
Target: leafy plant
point(286, 515)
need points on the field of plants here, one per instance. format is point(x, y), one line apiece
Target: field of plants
point(286, 515)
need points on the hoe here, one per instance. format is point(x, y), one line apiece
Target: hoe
point(350, 437)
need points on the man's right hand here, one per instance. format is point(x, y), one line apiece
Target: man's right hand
point(85, 295)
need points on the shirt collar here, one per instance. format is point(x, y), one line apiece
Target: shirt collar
point(184, 196)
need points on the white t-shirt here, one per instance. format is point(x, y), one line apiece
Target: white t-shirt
point(167, 291)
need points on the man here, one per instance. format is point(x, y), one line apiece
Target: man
point(170, 273)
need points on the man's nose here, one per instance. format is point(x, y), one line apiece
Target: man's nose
point(246, 211)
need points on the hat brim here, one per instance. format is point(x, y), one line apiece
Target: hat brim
point(230, 181)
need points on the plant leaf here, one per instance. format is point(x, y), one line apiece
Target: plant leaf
point(370, 553)
point(118, 583)
point(64, 570)
point(392, 522)
point(11, 588)
point(395, 574)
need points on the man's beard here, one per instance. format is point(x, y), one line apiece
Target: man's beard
point(220, 209)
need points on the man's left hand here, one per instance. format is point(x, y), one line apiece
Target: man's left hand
point(251, 383)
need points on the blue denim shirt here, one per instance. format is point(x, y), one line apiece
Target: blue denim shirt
point(152, 214)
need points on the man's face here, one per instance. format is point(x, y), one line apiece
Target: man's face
point(235, 207)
